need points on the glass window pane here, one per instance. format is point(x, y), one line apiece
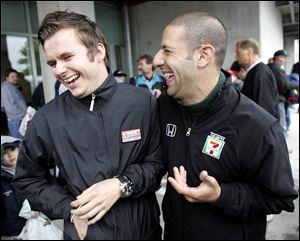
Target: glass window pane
point(15, 22)
point(109, 21)
point(34, 17)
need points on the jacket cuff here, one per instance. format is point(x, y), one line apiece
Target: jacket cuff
point(225, 197)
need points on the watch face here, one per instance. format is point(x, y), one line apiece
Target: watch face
point(127, 189)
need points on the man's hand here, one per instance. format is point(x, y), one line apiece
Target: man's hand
point(97, 200)
point(156, 93)
point(208, 190)
point(81, 226)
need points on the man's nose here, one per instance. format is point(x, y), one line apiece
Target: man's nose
point(60, 69)
point(158, 59)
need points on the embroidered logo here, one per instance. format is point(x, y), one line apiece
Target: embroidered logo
point(214, 145)
point(131, 135)
point(171, 130)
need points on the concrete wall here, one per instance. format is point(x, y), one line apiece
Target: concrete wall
point(271, 30)
point(293, 53)
point(45, 7)
point(149, 19)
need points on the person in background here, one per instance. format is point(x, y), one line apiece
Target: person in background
point(11, 200)
point(147, 78)
point(260, 84)
point(240, 75)
point(120, 76)
point(283, 83)
point(293, 95)
point(228, 164)
point(13, 102)
point(103, 136)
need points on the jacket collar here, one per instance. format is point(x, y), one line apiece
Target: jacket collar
point(107, 88)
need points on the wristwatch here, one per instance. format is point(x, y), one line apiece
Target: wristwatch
point(126, 186)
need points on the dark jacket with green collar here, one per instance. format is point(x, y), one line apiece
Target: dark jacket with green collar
point(243, 148)
point(89, 147)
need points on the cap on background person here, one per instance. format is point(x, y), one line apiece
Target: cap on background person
point(281, 52)
point(9, 141)
point(119, 73)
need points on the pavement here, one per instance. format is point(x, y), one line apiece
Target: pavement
point(284, 226)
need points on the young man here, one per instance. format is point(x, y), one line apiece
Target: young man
point(13, 102)
point(103, 137)
point(228, 160)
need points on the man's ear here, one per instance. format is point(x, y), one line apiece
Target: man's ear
point(101, 52)
point(205, 55)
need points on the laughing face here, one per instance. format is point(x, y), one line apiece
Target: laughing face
point(175, 62)
point(68, 58)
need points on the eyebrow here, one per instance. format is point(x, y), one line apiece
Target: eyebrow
point(62, 56)
point(166, 47)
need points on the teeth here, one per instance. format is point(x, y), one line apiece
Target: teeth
point(70, 79)
point(168, 75)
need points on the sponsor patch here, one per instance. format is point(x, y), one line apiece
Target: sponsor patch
point(131, 135)
point(214, 145)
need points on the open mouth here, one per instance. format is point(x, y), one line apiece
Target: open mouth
point(169, 77)
point(71, 79)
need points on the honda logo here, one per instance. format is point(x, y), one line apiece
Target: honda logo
point(171, 130)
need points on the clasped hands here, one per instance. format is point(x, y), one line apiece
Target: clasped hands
point(92, 204)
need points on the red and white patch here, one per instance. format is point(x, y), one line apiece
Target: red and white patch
point(131, 135)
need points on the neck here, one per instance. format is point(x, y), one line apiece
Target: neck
point(202, 87)
point(253, 60)
point(101, 78)
point(149, 75)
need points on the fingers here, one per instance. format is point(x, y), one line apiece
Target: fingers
point(176, 185)
point(98, 217)
point(87, 211)
point(209, 180)
point(83, 198)
point(179, 180)
point(180, 174)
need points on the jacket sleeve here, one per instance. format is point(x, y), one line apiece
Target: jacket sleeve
point(146, 176)
point(267, 184)
point(33, 177)
point(284, 85)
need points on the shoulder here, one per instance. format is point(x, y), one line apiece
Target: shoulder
point(133, 94)
point(247, 115)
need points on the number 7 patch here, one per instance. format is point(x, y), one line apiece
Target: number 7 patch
point(213, 145)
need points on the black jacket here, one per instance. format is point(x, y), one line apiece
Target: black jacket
point(253, 168)
point(261, 87)
point(87, 146)
point(283, 83)
point(11, 204)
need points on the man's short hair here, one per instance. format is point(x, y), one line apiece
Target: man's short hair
point(248, 43)
point(10, 70)
point(201, 28)
point(88, 31)
point(147, 57)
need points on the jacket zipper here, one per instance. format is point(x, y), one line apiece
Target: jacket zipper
point(188, 132)
point(92, 102)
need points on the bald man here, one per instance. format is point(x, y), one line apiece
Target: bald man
point(225, 171)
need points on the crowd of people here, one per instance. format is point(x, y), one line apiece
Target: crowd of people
point(113, 142)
